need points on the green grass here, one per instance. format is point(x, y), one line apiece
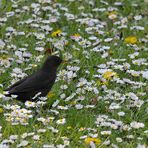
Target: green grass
point(86, 118)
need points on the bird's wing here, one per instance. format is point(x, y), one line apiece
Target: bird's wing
point(36, 82)
point(16, 84)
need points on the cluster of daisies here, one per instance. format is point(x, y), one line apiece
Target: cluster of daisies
point(100, 96)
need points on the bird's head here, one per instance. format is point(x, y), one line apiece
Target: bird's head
point(52, 63)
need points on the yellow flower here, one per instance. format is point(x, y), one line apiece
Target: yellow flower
point(56, 33)
point(131, 40)
point(97, 141)
point(50, 95)
point(1, 110)
point(109, 74)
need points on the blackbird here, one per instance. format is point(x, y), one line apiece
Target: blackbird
point(39, 82)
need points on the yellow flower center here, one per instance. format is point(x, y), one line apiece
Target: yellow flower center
point(112, 15)
point(95, 140)
point(50, 95)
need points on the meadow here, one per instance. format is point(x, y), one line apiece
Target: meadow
point(100, 97)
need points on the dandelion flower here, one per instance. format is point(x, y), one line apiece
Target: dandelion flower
point(88, 140)
point(56, 33)
point(131, 40)
point(109, 74)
